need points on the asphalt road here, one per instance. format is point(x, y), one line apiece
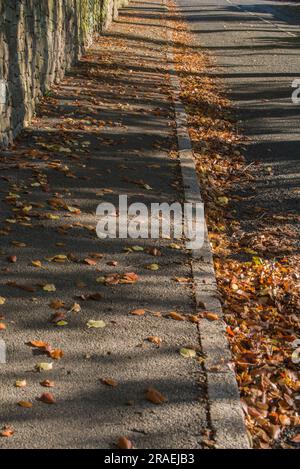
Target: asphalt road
point(256, 47)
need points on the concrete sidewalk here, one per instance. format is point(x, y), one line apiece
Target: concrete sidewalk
point(106, 130)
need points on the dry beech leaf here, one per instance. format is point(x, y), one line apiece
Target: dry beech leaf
point(7, 432)
point(57, 304)
point(47, 398)
point(21, 383)
point(12, 259)
point(47, 384)
point(91, 262)
point(182, 279)
point(25, 404)
point(138, 312)
point(37, 344)
point(154, 396)
point(124, 443)
point(176, 316)
point(130, 277)
point(155, 340)
point(210, 316)
point(194, 318)
point(56, 354)
point(109, 382)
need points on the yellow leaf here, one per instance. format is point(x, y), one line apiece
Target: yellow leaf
point(49, 287)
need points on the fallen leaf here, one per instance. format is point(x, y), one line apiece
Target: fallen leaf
point(138, 312)
point(2, 326)
point(182, 279)
point(47, 398)
point(152, 267)
point(155, 340)
point(12, 259)
point(57, 304)
point(37, 344)
point(61, 323)
point(36, 264)
point(25, 404)
point(56, 354)
point(49, 287)
point(44, 366)
point(21, 383)
point(109, 382)
point(91, 262)
point(174, 246)
point(176, 316)
point(154, 396)
point(76, 308)
point(96, 324)
point(130, 277)
point(210, 316)
point(7, 432)
point(47, 384)
point(2, 300)
point(188, 353)
point(124, 443)
point(223, 200)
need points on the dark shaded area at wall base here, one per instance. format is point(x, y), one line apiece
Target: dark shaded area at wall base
point(39, 41)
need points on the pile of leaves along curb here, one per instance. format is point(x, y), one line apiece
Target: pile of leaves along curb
point(259, 290)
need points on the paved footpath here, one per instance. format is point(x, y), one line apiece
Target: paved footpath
point(106, 130)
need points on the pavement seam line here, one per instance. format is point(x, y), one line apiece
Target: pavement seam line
point(225, 409)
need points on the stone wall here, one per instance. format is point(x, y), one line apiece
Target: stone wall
point(39, 40)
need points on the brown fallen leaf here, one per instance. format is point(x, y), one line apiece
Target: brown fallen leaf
point(56, 354)
point(155, 340)
point(182, 279)
point(25, 404)
point(38, 344)
point(130, 277)
point(57, 317)
point(47, 398)
point(296, 438)
point(21, 383)
point(124, 443)
point(47, 384)
point(91, 262)
point(57, 304)
point(210, 316)
point(138, 312)
point(109, 382)
point(12, 259)
point(176, 316)
point(7, 432)
point(154, 396)
point(2, 326)
point(194, 318)
point(112, 263)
